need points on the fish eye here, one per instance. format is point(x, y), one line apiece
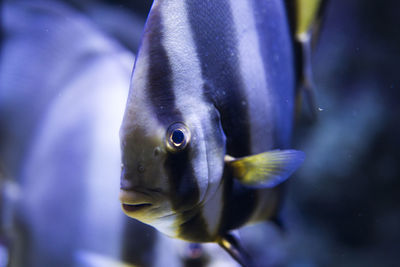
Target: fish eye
point(178, 137)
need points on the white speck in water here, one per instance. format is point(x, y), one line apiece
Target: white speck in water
point(243, 103)
point(320, 109)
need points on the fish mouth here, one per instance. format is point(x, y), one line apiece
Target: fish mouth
point(135, 201)
point(135, 207)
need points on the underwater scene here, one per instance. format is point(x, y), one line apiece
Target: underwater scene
point(199, 133)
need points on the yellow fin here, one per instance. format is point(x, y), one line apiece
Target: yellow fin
point(307, 15)
point(267, 169)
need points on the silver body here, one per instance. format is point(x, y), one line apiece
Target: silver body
point(225, 70)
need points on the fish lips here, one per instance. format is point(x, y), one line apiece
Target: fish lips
point(134, 201)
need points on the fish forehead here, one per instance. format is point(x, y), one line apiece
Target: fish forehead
point(167, 70)
point(167, 85)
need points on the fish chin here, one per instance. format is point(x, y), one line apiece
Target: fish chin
point(161, 216)
point(166, 224)
point(146, 213)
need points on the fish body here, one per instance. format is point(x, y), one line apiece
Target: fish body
point(206, 133)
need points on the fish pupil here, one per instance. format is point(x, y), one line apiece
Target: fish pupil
point(178, 137)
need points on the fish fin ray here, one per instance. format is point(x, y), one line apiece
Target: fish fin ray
point(266, 170)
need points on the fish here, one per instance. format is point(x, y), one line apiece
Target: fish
point(59, 146)
point(305, 19)
point(205, 136)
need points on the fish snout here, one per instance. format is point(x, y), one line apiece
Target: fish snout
point(131, 177)
point(126, 184)
point(138, 195)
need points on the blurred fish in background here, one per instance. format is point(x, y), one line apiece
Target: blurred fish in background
point(64, 82)
point(64, 78)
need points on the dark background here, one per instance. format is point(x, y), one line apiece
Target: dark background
point(346, 197)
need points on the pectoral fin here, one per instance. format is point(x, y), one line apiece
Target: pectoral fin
point(267, 169)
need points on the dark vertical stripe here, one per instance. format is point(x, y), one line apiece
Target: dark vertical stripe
point(195, 228)
point(182, 180)
point(138, 253)
point(159, 76)
point(216, 46)
point(239, 203)
point(184, 190)
point(291, 8)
